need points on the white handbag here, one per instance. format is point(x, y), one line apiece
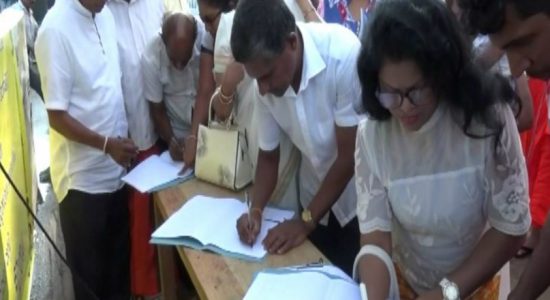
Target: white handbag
point(222, 154)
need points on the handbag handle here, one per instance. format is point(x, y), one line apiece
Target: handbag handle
point(229, 119)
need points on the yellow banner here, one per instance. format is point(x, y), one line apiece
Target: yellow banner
point(16, 225)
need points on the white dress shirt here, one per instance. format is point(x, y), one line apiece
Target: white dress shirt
point(328, 96)
point(78, 60)
point(176, 88)
point(137, 22)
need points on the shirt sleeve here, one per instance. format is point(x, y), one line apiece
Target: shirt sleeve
point(373, 206)
point(152, 86)
point(506, 180)
point(269, 131)
point(223, 55)
point(348, 89)
point(54, 64)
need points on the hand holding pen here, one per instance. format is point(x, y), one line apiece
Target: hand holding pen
point(249, 224)
point(122, 150)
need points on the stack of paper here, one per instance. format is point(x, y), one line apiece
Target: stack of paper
point(207, 223)
point(156, 173)
point(299, 283)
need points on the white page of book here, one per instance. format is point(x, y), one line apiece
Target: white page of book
point(153, 172)
point(304, 284)
point(212, 221)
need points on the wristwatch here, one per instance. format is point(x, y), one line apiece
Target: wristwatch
point(449, 289)
point(306, 216)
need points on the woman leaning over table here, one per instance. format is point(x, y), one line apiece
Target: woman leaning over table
point(441, 180)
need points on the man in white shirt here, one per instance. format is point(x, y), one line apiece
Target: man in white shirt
point(308, 88)
point(77, 55)
point(137, 22)
point(171, 73)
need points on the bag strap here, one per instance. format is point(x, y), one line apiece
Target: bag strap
point(386, 259)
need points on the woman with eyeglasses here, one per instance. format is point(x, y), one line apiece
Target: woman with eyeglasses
point(440, 175)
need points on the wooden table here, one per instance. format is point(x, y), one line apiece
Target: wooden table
point(215, 276)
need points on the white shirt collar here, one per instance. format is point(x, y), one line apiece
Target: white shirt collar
point(81, 9)
point(312, 63)
point(22, 6)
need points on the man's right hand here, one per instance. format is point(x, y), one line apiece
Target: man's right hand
point(176, 149)
point(249, 228)
point(121, 150)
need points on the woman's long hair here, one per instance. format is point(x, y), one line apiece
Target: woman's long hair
point(425, 32)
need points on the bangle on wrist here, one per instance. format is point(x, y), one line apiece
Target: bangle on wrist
point(105, 144)
point(192, 136)
point(224, 99)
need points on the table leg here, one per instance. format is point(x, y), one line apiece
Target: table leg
point(170, 289)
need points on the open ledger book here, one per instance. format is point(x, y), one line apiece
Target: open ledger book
point(207, 223)
point(156, 173)
point(303, 283)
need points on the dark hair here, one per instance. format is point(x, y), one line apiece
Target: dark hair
point(260, 29)
point(488, 16)
point(425, 32)
point(223, 5)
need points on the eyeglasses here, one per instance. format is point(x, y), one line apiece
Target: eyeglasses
point(211, 19)
point(392, 100)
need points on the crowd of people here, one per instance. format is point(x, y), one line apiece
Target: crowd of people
point(413, 132)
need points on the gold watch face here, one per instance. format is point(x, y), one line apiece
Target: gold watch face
point(306, 216)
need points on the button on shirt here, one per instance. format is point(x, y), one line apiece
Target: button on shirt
point(137, 22)
point(176, 88)
point(328, 96)
point(78, 60)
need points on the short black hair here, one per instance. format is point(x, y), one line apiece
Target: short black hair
point(488, 16)
point(260, 29)
point(425, 32)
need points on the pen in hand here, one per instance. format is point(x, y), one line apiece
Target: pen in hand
point(249, 205)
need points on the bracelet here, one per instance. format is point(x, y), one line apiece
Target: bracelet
point(192, 136)
point(105, 144)
point(226, 100)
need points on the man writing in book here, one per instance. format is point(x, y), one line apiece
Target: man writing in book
point(298, 68)
point(170, 74)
